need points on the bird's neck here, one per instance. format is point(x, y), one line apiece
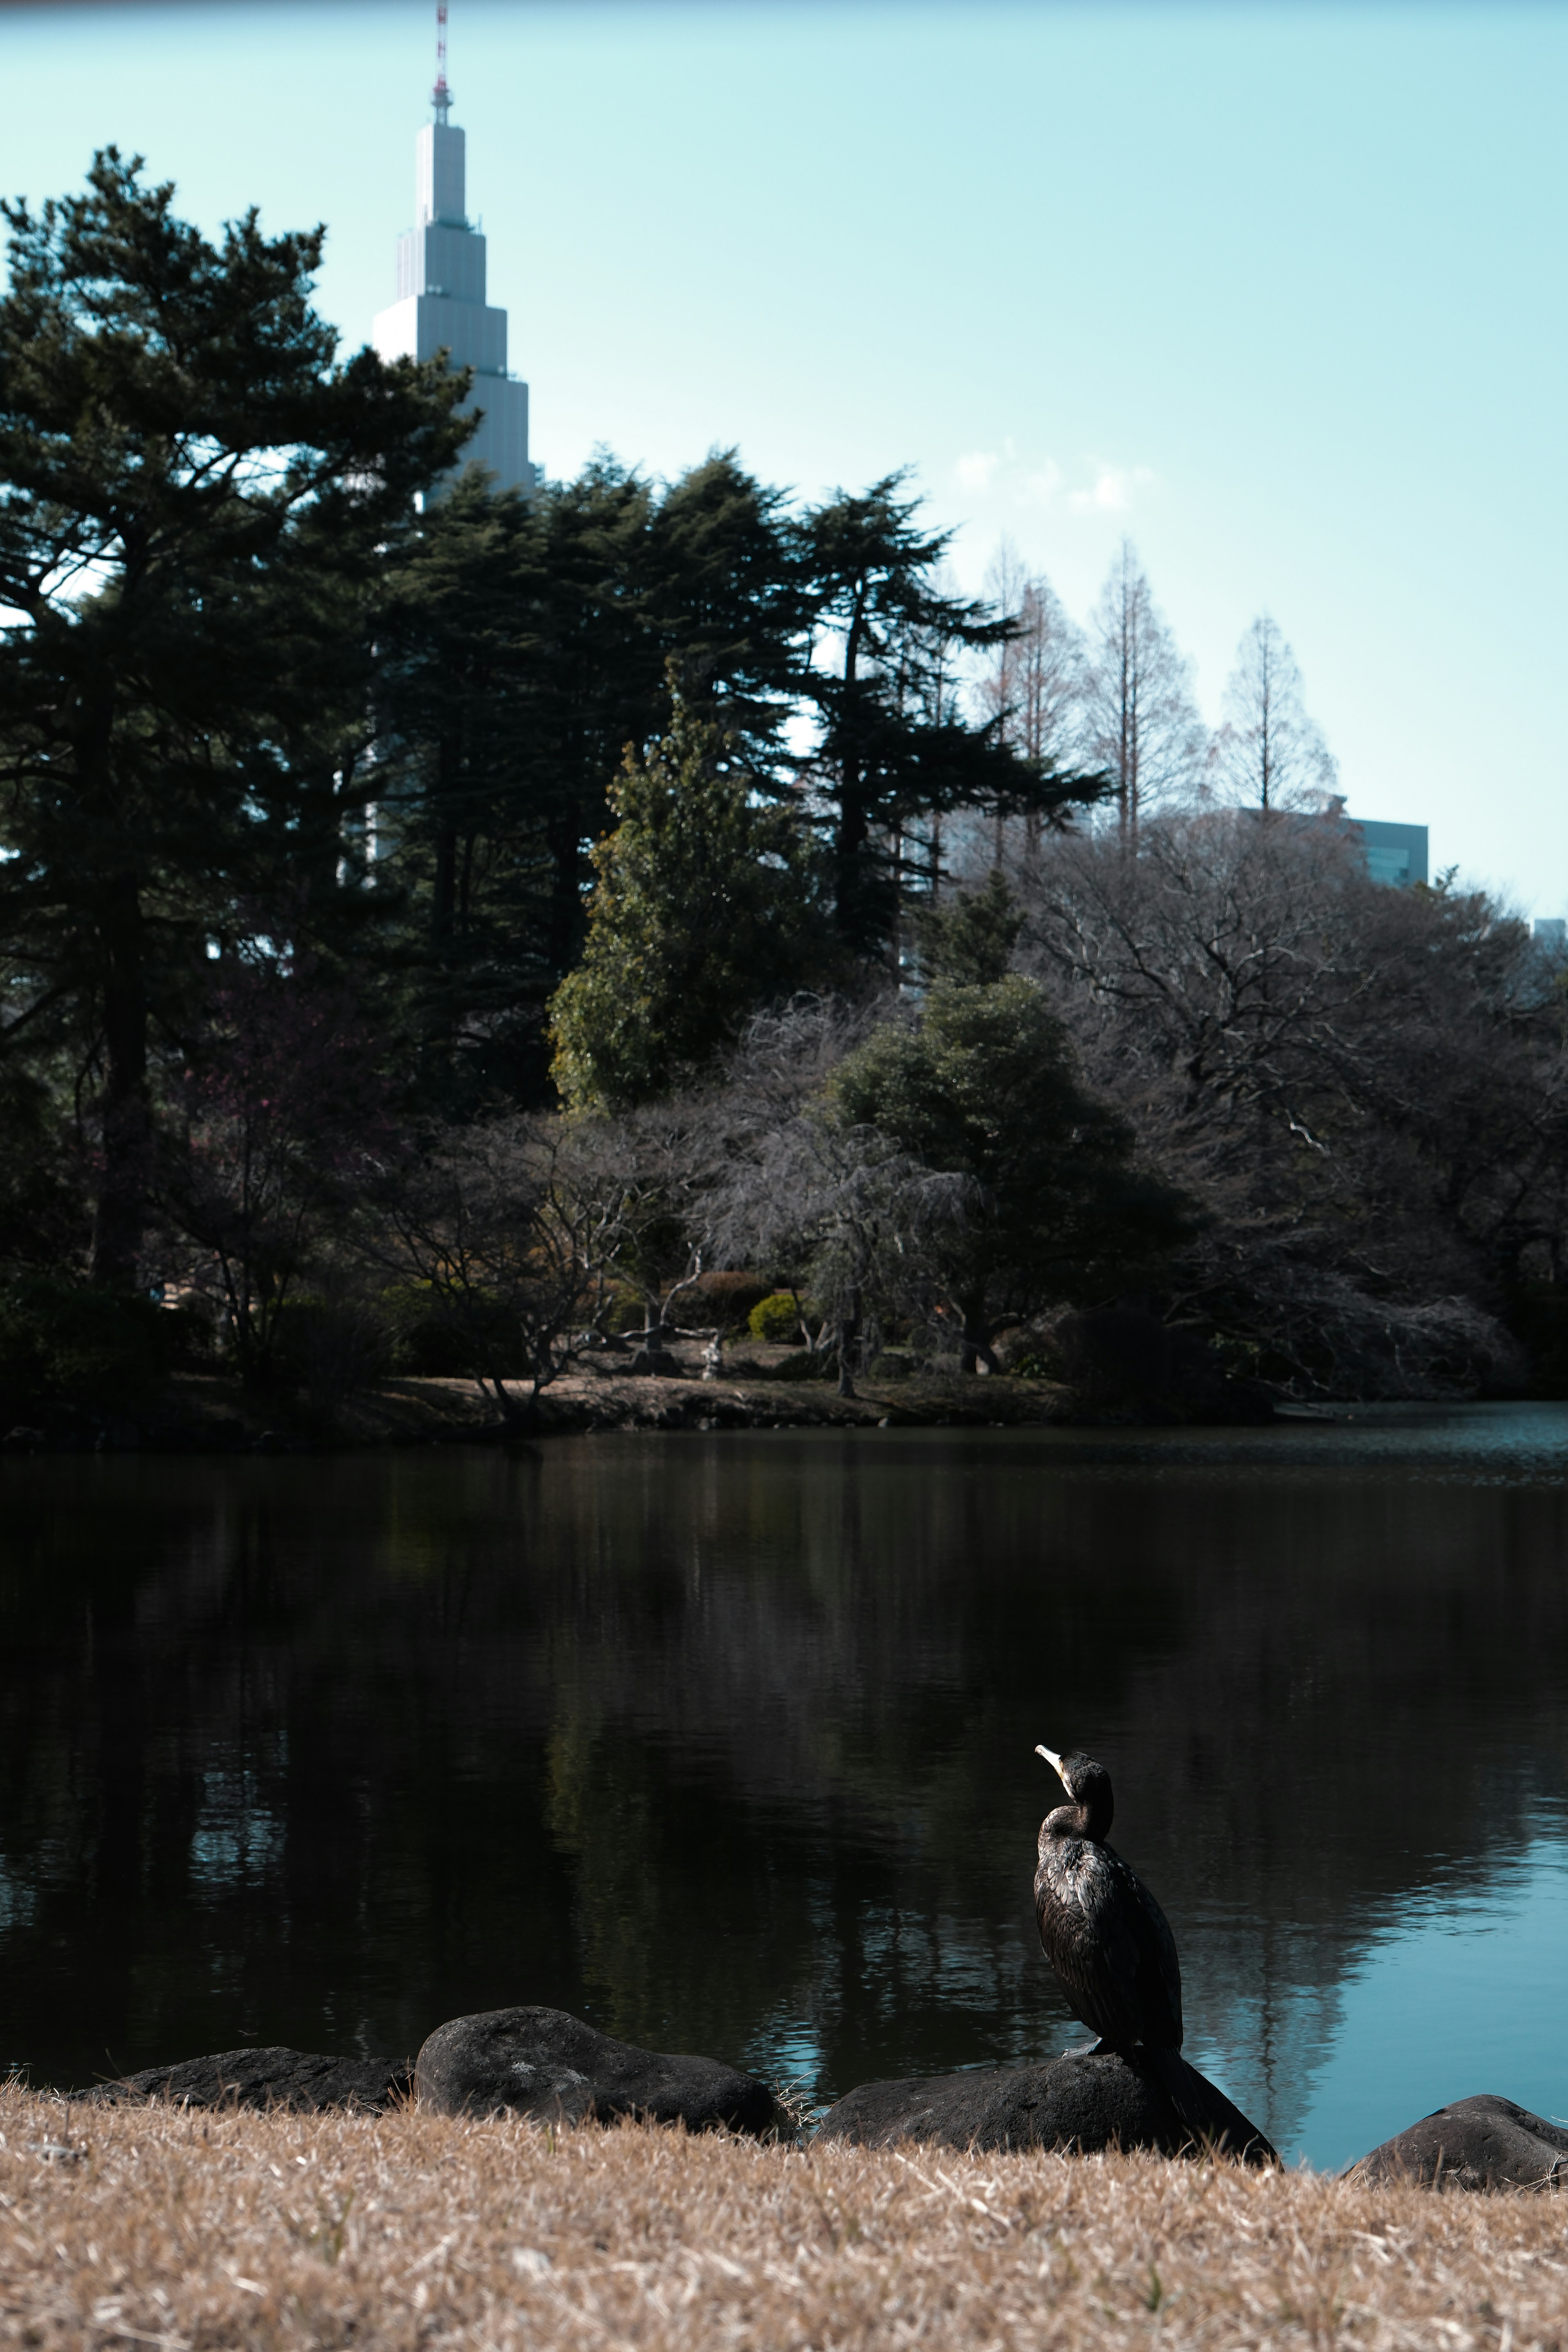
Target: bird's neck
point(1090, 1820)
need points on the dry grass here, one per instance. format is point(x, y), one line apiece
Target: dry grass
point(191, 2231)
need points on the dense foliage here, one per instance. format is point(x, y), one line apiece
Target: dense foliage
point(436, 924)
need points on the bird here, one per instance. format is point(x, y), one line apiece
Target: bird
point(1115, 1957)
point(1103, 1933)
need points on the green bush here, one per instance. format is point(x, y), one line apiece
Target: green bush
point(62, 1340)
point(775, 1318)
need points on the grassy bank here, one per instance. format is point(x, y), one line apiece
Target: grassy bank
point(192, 2231)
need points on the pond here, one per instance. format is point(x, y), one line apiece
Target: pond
point(725, 1743)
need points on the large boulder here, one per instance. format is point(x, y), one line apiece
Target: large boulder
point(1083, 2103)
point(1479, 2144)
point(547, 2064)
point(301, 2079)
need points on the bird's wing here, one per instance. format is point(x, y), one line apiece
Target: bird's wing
point(1091, 1935)
point(1110, 1944)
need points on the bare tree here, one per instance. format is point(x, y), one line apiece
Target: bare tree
point(1366, 1088)
point(258, 1170)
point(511, 1252)
point(640, 1183)
point(837, 1206)
point(1143, 725)
point(1269, 752)
point(1034, 683)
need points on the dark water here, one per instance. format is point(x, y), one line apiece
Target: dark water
point(725, 1743)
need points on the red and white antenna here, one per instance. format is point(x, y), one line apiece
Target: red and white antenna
point(441, 95)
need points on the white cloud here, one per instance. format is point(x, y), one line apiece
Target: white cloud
point(1114, 488)
point(974, 471)
point(1044, 482)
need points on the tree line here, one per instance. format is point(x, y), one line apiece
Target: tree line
point(432, 917)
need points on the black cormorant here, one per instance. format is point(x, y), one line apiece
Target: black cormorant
point(1104, 1934)
point(1115, 1957)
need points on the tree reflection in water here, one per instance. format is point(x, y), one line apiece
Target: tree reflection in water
point(726, 1743)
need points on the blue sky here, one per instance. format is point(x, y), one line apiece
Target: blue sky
point(1277, 289)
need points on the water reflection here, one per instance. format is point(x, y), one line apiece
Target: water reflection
point(726, 1743)
point(1465, 1994)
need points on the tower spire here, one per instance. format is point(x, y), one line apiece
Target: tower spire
point(441, 95)
point(441, 310)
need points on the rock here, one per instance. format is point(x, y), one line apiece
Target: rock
point(23, 1441)
point(656, 1362)
point(1081, 2104)
point(545, 2063)
point(1479, 2144)
point(259, 2078)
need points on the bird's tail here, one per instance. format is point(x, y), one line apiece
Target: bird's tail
point(1205, 2111)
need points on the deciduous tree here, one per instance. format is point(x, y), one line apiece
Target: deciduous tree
point(1142, 723)
point(1269, 752)
point(1034, 683)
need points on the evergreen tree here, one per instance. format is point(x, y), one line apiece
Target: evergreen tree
point(894, 745)
point(528, 650)
point(598, 674)
point(464, 820)
point(970, 939)
point(729, 599)
point(703, 912)
point(193, 492)
point(984, 1088)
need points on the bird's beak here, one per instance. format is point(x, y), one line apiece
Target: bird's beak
point(1053, 1760)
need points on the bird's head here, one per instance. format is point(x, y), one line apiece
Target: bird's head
point(1088, 1783)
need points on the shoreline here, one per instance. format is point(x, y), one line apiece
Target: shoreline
point(205, 1414)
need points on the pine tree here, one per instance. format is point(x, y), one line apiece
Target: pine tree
point(194, 495)
point(730, 601)
point(895, 744)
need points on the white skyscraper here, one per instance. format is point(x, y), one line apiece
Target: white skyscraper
point(441, 303)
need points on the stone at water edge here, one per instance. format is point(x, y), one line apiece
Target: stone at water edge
point(1483, 2142)
point(1083, 2103)
point(304, 2080)
point(547, 2064)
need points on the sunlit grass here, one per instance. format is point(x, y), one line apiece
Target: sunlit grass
point(192, 2230)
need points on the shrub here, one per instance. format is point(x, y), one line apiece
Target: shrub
point(775, 1318)
point(80, 1346)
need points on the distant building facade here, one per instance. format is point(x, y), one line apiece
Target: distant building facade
point(441, 303)
point(1396, 853)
